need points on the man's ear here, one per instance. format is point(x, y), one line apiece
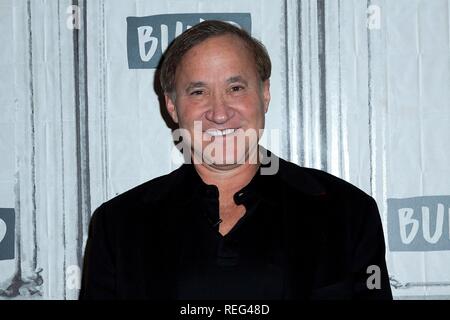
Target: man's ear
point(170, 105)
point(266, 94)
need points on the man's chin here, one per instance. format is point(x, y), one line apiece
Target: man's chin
point(226, 160)
point(223, 167)
point(229, 161)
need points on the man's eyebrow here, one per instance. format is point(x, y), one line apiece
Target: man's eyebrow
point(195, 84)
point(236, 79)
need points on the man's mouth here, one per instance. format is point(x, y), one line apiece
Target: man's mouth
point(220, 133)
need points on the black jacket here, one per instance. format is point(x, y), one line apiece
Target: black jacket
point(332, 232)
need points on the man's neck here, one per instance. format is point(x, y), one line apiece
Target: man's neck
point(228, 181)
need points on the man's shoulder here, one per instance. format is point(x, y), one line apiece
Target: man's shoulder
point(318, 182)
point(343, 200)
point(151, 191)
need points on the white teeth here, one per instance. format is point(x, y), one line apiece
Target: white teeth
point(217, 132)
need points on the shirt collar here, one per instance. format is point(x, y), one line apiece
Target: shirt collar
point(198, 188)
point(267, 187)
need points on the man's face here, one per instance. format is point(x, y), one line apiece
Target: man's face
point(217, 85)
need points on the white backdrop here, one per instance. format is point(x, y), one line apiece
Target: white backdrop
point(359, 89)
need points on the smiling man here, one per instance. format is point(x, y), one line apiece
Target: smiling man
point(217, 86)
point(218, 227)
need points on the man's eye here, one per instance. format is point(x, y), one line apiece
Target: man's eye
point(196, 92)
point(237, 88)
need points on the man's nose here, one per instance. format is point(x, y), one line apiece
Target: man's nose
point(219, 111)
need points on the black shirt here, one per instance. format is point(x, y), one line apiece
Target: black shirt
point(245, 263)
point(305, 235)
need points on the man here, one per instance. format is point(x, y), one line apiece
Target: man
point(218, 228)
